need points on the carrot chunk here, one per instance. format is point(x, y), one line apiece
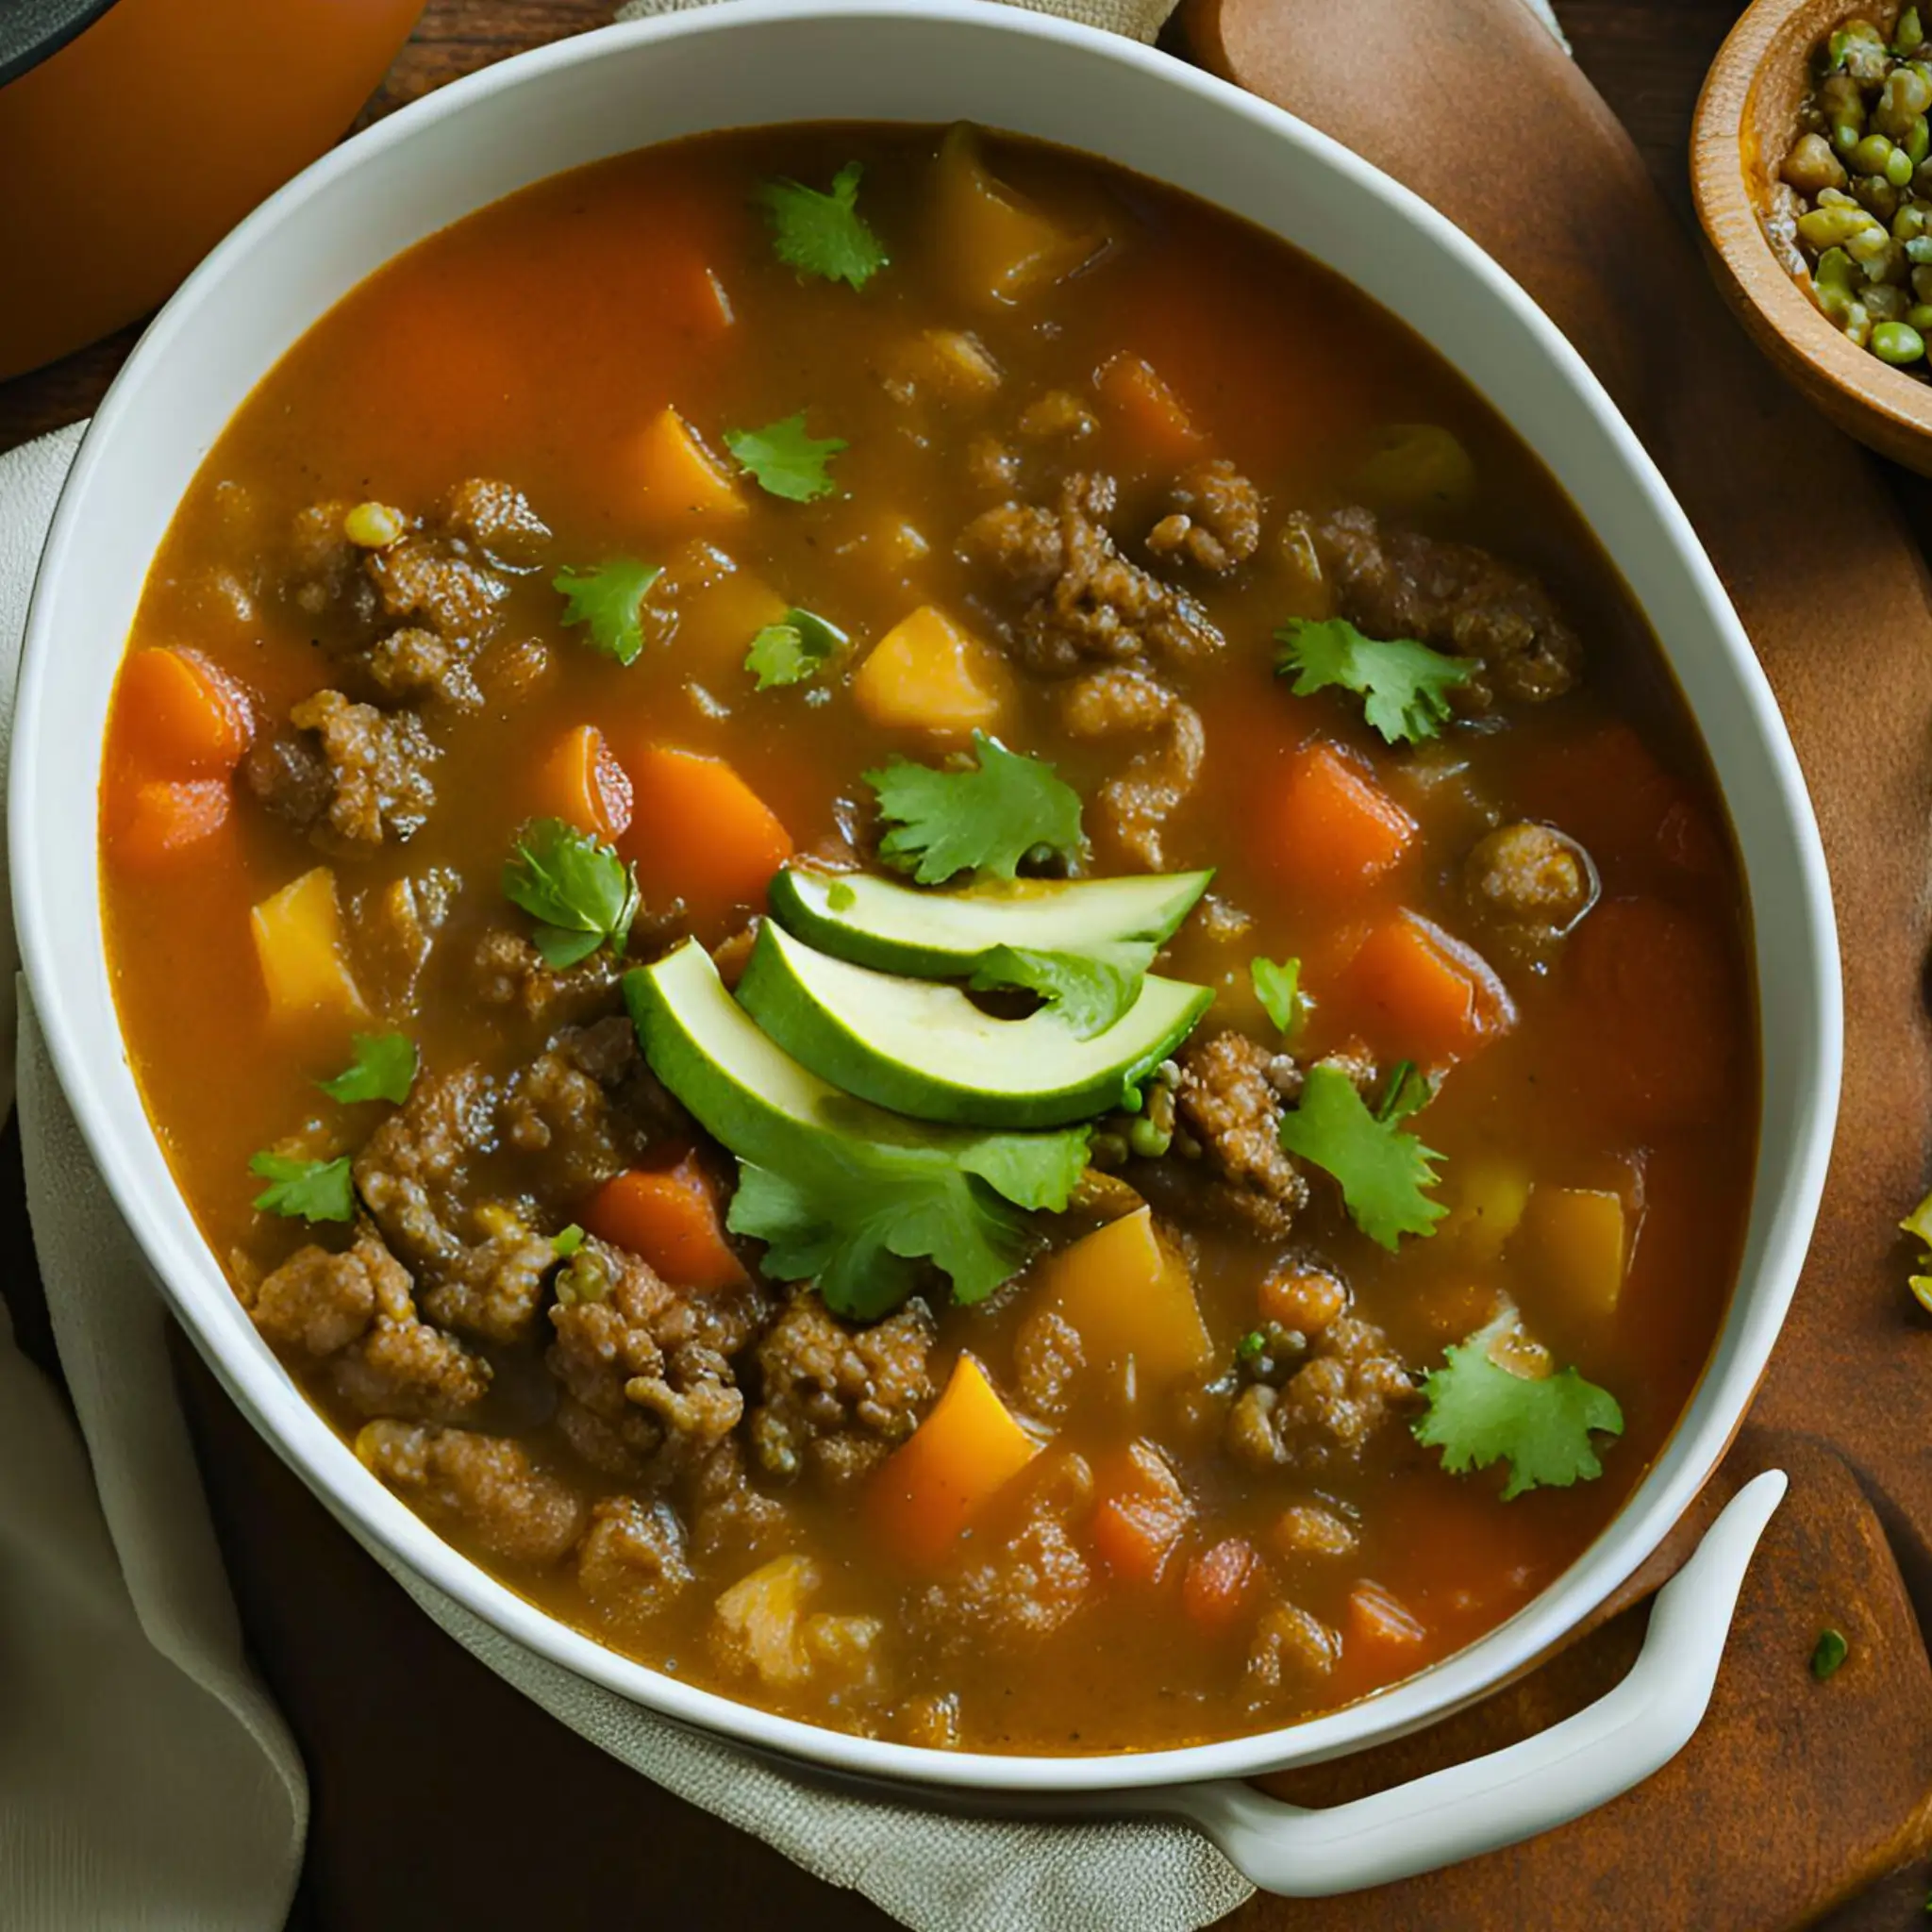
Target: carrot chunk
point(582, 783)
point(949, 1469)
point(1155, 419)
point(668, 1217)
point(1328, 827)
point(1142, 1515)
point(1419, 993)
point(178, 717)
point(1380, 1630)
point(699, 833)
point(151, 820)
point(1216, 1586)
point(679, 476)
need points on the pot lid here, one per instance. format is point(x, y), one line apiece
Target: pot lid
point(32, 29)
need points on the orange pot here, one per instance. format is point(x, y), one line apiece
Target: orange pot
point(129, 152)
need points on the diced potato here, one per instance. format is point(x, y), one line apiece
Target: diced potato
point(958, 1459)
point(995, 245)
point(678, 477)
point(1489, 1194)
point(758, 1625)
point(929, 674)
point(298, 938)
point(1575, 1241)
point(945, 362)
point(1128, 1296)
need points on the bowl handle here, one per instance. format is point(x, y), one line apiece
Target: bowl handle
point(1529, 1788)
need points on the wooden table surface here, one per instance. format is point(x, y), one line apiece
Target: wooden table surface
point(1646, 57)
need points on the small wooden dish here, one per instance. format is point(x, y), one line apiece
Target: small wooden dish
point(1747, 117)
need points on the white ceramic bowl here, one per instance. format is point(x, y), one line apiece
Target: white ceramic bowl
point(937, 61)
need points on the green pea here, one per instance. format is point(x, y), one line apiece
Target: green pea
point(1909, 35)
point(1899, 167)
point(1832, 227)
point(1858, 328)
point(1149, 1141)
point(1920, 316)
point(1872, 155)
point(1835, 270)
point(1897, 342)
point(1918, 140)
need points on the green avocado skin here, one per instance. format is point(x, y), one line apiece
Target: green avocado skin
point(833, 1044)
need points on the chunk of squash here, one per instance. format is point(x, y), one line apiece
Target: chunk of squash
point(298, 938)
point(1487, 1194)
point(947, 1471)
point(1576, 1242)
point(758, 1625)
point(929, 674)
point(678, 477)
point(699, 833)
point(995, 246)
point(1129, 1298)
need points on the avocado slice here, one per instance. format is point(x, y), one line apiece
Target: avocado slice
point(933, 935)
point(747, 1092)
point(925, 1049)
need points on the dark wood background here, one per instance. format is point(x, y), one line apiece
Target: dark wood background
point(425, 1772)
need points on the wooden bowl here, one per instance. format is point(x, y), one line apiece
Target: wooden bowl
point(1747, 117)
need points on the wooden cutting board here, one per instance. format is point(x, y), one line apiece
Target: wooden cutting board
point(1794, 1796)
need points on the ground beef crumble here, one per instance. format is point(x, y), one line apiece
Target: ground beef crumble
point(1134, 805)
point(837, 1397)
point(1087, 601)
point(1399, 584)
point(1226, 1102)
point(1216, 519)
point(1351, 1384)
point(346, 774)
point(646, 1367)
point(486, 1485)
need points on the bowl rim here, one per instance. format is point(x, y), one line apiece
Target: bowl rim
point(1786, 319)
point(86, 1064)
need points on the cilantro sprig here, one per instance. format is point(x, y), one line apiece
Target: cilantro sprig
point(821, 234)
point(1278, 985)
point(1091, 990)
point(382, 1066)
point(1383, 1172)
point(1479, 1414)
point(579, 892)
point(860, 1224)
point(305, 1190)
point(1404, 685)
point(783, 459)
point(608, 599)
point(984, 818)
point(792, 650)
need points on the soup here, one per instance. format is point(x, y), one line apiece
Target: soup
point(935, 942)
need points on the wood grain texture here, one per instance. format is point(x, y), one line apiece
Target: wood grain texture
point(1467, 100)
point(1746, 119)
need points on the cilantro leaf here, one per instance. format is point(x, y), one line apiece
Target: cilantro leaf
point(1405, 684)
point(579, 892)
point(793, 649)
point(305, 1190)
point(984, 820)
point(608, 599)
point(784, 461)
point(1091, 990)
point(824, 235)
point(1279, 989)
point(1477, 1414)
point(1382, 1170)
point(1410, 1090)
point(1829, 1654)
point(858, 1224)
point(382, 1066)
